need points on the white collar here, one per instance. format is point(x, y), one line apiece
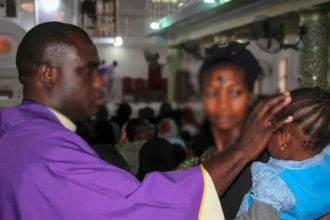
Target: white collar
point(64, 120)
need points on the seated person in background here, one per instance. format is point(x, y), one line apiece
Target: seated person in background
point(123, 114)
point(179, 154)
point(168, 129)
point(156, 154)
point(189, 123)
point(148, 114)
point(138, 131)
point(295, 183)
point(105, 133)
point(110, 154)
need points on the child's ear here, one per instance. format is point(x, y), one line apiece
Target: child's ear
point(285, 137)
point(285, 140)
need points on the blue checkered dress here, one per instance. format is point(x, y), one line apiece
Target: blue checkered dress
point(296, 189)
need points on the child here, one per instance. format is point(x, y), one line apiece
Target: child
point(295, 183)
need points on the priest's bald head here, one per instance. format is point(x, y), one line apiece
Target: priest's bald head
point(57, 65)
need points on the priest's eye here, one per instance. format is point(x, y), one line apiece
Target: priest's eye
point(90, 71)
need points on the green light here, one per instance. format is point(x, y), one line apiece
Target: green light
point(224, 1)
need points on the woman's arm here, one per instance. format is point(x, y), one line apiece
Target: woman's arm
point(327, 217)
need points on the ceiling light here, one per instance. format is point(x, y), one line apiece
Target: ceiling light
point(154, 26)
point(209, 1)
point(118, 42)
point(50, 5)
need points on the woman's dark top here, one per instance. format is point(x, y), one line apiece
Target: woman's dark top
point(231, 200)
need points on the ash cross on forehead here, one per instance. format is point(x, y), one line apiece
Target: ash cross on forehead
point(221, 81)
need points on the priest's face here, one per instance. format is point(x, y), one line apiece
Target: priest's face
point(79, 87)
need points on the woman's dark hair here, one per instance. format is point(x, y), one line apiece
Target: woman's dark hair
point(310, 108)
point(228, 54)
point(156, 154)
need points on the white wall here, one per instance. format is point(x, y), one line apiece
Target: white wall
point(269, 85)
point(130, 59)
point(8, 71)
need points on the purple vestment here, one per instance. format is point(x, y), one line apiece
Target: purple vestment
point(47, 172)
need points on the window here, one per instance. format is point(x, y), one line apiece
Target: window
point(283, 75)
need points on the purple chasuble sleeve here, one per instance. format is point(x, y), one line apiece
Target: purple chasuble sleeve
point(49, 173)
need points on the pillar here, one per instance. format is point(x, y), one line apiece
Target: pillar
point(314, 53)
point(174, 60)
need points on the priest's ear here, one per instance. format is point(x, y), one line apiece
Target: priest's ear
point(48, 75)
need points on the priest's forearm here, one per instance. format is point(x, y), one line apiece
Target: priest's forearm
point(225, 167)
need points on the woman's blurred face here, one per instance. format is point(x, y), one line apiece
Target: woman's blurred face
point(225, 97)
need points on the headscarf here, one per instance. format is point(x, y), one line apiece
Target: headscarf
point(168, 129)
point(156, 154)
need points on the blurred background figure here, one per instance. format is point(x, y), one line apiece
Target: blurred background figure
point(138, 131)
point(189, 124)
point(148, 114)
point(168, 129)
point(105, 133)
point(164, 109)
point(155, 155)
point(123, 114)
point(179, 154)
point(113, 81)
point(110, 155)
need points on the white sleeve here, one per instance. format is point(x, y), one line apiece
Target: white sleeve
point(210, 208)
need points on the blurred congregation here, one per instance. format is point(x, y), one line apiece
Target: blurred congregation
point(170, 131)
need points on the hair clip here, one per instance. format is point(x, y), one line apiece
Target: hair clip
point(222, 45)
